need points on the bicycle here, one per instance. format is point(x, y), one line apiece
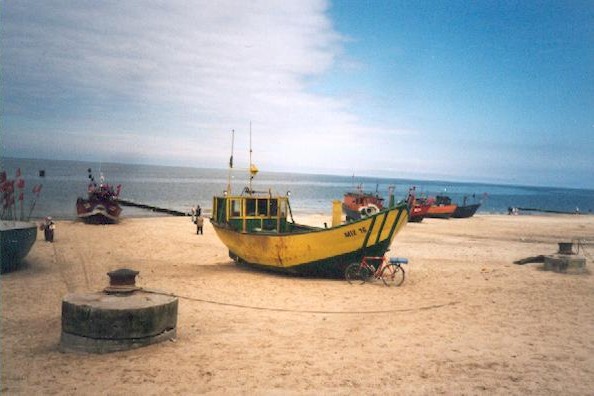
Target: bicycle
point(390, 271)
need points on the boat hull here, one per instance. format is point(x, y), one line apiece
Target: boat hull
point(463, 212)
point(441, 211)
point(98, 211)
point(418, 213)
point(351, 214)
point(16, 240)
point(323, 252)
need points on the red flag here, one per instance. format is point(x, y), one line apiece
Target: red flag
point(37, 189)
point(20, 184)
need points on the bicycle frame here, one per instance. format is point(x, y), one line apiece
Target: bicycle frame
point(375, 271)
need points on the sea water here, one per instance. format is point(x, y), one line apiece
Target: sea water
point(181, 188)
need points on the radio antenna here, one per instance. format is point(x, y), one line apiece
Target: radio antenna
point(251, 176)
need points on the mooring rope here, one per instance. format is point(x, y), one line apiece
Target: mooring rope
point(424, 308)
point(61, 263)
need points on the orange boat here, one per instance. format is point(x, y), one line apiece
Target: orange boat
point(441, 207)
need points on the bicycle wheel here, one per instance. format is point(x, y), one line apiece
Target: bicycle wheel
point(355, 274)
point(392, 274)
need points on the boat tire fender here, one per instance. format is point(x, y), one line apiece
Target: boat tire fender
point(369, 210)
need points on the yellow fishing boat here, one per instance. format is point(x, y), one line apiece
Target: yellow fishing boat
point(259, 230)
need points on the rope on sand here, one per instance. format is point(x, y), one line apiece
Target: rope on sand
point(173, 212)
point(425, 308)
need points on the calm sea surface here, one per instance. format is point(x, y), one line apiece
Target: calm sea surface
point(181, 188)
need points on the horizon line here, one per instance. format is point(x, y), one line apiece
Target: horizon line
point(364, 176)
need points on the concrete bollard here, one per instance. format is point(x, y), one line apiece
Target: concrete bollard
point(121, 317)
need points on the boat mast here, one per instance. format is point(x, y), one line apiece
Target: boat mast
point(250, 169)
point(253, 170)
point(230, 162)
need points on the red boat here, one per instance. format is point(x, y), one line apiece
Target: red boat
point(418, 211)
point(418, 207)
point(101, 206)
point(359, 204)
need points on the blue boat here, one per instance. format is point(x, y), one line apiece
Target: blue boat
point(16, 240)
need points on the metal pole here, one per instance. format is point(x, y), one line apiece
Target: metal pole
point(230, 162)
point(250, 168)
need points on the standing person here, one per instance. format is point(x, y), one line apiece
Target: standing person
point(198, 211)
point(193, 211)
point(48, 229)
point(199, 224)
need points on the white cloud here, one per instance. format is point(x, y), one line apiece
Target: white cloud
point(165, 82)
point(198, 67)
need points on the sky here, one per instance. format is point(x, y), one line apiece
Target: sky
point(485, 91)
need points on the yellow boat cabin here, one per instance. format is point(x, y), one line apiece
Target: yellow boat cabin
point(252, 213)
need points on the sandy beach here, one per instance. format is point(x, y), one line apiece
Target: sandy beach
point(466, 320)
